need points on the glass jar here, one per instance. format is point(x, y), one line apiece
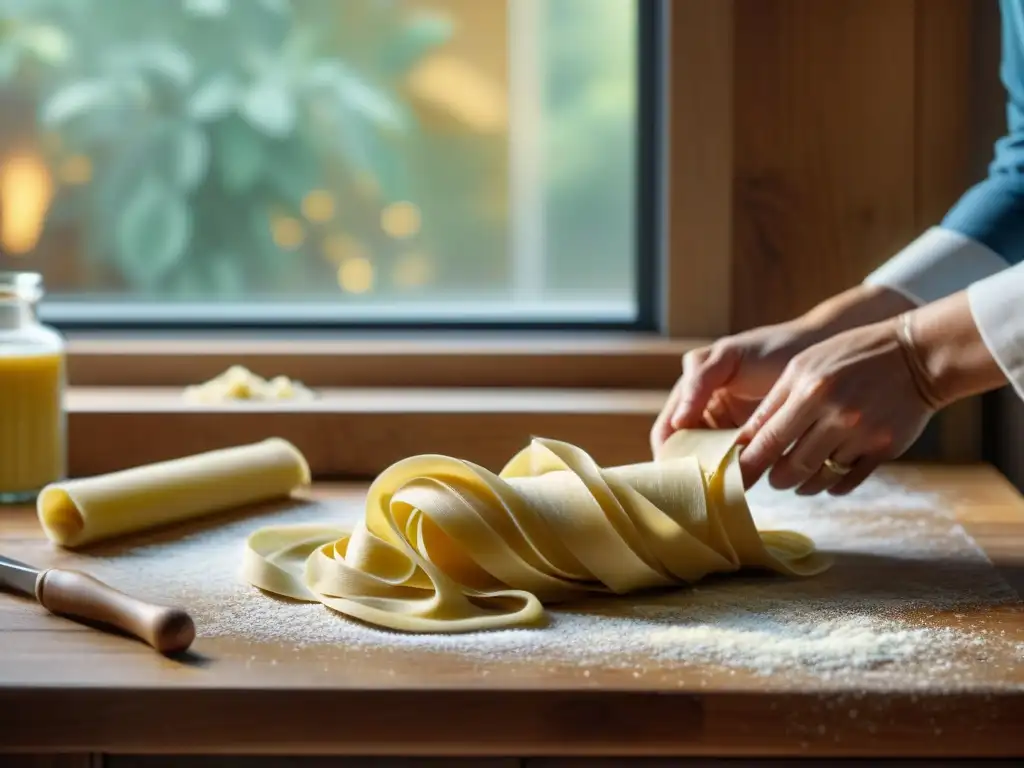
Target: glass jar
point(32, 375)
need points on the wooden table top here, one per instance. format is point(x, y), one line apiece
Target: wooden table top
point(64, 687)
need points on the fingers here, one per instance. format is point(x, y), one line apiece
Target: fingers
point(716, 414)
point(821, 481)
point(805, 460)
point(862, 469)
point(740, 410)
point(692, 402)
point(826, 477)
point(704, 371)
point(772, 402)
point(780, 421)
point(727, 411)
point(662, 428)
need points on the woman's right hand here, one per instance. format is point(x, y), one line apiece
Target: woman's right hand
point(724, 382)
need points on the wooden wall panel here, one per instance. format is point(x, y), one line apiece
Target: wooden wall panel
point(696, 283)
point(943, 62)
point(824, 148)
point(852, 134)
point(943, 66)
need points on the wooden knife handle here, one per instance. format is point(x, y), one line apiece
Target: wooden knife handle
point(77, 595)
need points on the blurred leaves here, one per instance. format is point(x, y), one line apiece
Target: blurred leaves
point(187, 155)
point(207, 8)
point(200, 117)
point(215, 98)
point(153, 232)
point(269, 106)
point(77, 99)
point(29, 44)
point(420, 36)
point(292, 169)
point(353, 96)
point(240, 156)
point(153, 61)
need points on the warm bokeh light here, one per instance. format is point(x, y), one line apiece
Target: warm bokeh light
point(463, 90)
point(401, 220)
point(287, 232)
point(76, 170)
point(318, 206)
point(339, 247)
point(355, 275)
point(26, 189)
point(414, 270)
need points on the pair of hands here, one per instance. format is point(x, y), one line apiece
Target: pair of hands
point(809, 407)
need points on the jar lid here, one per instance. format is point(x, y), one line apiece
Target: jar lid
point(21, 286)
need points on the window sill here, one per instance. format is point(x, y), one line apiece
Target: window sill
point(382, 397)
point(357, 432)
point(548, 360)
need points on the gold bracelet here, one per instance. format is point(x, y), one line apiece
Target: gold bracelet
point(918, 371)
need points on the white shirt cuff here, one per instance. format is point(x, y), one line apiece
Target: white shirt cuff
point(937, 264)
point(997, 304)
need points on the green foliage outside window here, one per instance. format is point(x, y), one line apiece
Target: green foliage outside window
point(205, 119)
point(207, 124)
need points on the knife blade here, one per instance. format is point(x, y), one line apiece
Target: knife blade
point(79, 596)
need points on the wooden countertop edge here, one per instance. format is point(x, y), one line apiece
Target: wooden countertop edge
point(525, 723)
point(548, 721)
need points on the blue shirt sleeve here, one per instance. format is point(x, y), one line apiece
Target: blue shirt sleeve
point(992, 212)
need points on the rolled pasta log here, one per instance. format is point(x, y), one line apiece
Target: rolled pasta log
point(78, 512)
point(447, 546)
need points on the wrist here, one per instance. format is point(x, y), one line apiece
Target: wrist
point(946, 352)
point(856, 307)
point(920, 362)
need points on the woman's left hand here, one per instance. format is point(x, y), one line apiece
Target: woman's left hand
point(841, 408)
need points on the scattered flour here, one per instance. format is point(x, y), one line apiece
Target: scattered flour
point(866, 620)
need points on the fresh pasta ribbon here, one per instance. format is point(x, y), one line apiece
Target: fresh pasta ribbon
point(445, 545)
point(238, 384)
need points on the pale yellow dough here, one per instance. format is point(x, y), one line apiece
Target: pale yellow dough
point(447, 546)
point(84, 511)
point(239, 383)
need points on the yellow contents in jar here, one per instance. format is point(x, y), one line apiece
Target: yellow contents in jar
point(31, 422)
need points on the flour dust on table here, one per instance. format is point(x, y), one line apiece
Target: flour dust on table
point(899, 559)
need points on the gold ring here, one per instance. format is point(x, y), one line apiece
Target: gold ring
point(840, 469)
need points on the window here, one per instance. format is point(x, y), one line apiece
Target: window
point(330, 162)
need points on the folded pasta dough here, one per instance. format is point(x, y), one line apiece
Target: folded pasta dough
point(83, 511)
point(445, 545)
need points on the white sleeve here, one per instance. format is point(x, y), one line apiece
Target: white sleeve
point(939, 263)
point(997, 304)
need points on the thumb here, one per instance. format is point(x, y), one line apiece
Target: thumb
point(704, 371)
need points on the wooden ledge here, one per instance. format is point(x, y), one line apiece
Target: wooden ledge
point(624, 361)
point(358, 432)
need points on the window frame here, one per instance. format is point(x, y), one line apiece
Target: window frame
point(124, 399)
point(684, 207)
